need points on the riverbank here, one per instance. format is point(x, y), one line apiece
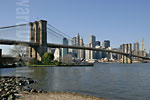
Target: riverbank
point(10, 87)
point(19, 88)
point(63, 65)
point(52, 65)
point(57, 96)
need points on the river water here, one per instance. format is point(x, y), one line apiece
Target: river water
point(110, 81)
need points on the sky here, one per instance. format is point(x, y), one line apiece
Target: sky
point(120, 21)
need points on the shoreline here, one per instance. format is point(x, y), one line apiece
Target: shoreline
point(62, 65)
point(57, 96)
point(73, 65)
point(19, 88)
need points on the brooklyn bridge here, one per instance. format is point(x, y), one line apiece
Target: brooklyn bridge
point(38, 35)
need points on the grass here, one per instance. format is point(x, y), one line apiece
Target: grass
point(54, 65)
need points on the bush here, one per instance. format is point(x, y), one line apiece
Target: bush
point(34, 61)
point(47, 58)
point(57, 63)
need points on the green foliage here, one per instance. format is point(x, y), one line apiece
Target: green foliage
point(34, 61)
point(57, 63)
point(47, 58)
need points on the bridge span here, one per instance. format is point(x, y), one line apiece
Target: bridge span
point(38, 43)
point(52, 45)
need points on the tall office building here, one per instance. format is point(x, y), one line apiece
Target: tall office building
point(64, 50)
point(92, 44)
point(142, 52)
point(136, 46)
point(92, 40)
point(98, 43)
point(103, 45)
point(77, 41)
point(98, 53)
point(74, 41)
point(81, 52)
point(87, 53)
point(142, 45)
point(107, 43)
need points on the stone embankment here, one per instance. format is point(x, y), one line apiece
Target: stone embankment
point(19, 88)
point(12, 87)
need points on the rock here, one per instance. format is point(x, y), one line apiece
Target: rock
point(9, 86)
point(33, 91)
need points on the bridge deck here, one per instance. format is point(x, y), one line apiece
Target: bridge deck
point(13, 42)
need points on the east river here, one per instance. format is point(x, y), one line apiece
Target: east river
point(110, 81)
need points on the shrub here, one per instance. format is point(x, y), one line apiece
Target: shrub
point(47, 58)
point(34, 61)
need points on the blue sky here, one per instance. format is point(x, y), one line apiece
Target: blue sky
point(120, 21)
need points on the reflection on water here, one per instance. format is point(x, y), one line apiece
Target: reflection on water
point(112, 81)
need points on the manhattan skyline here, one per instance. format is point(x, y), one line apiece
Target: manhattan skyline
point(118, 21)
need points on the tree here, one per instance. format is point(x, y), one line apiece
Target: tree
point(47, 58)
point(20, 51)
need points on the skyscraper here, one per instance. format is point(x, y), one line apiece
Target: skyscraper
point(92, 40)
point(107, 43)
point(98, 53)
point(136, 46)
point(81, 52)
point(142, 45)
point(64, 50)
point(98, 43)
point(103, 45)
point(77, 41)
point(92, 44)
point(74, 41)
point(142, 52)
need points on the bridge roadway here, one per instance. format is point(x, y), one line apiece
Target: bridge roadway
point(33, 44)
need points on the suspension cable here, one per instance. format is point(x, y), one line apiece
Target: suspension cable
point(13, 26)
point(59, 31)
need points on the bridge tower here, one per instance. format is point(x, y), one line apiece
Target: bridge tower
point(123, 56)
point(38, 34)
point(127, 48)
point(130, 53)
